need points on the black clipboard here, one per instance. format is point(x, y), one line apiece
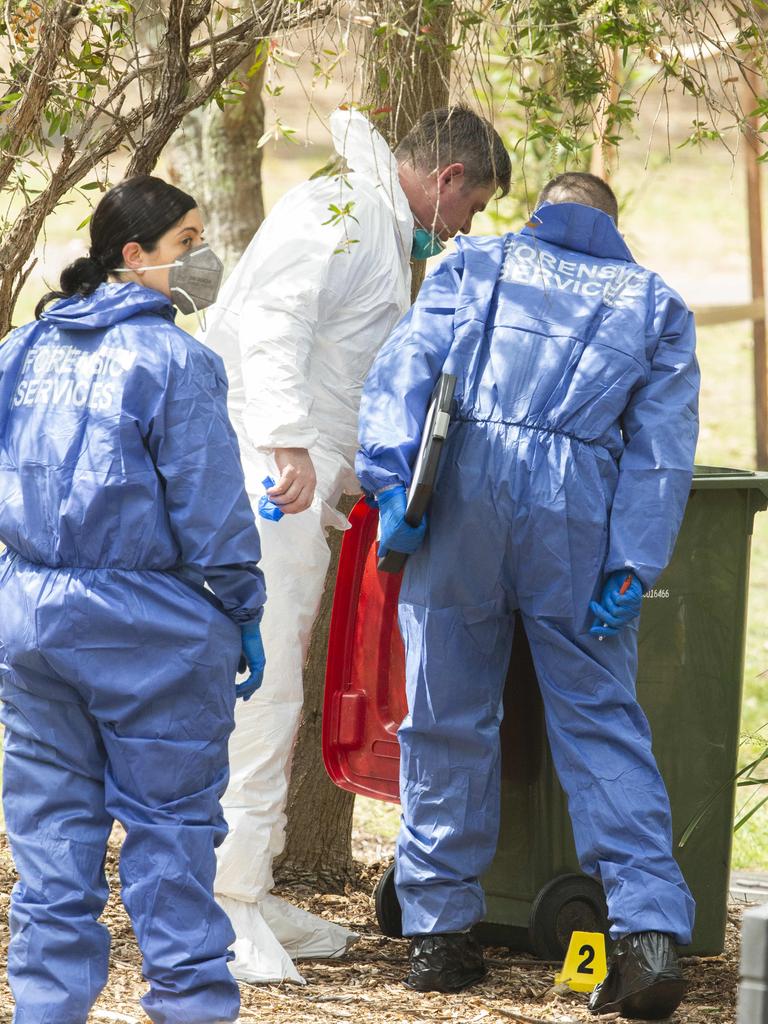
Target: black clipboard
point(427, 463)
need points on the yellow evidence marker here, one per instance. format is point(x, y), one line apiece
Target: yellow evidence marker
point(584, 966)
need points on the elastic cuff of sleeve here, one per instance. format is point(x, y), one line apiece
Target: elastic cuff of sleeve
point(627, 570)
point(244, 618)
point(375, 482)
point(639, 579)
point(271, 439)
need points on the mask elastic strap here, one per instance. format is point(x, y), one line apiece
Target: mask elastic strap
point(433, 229)
point(162, 266)
point(202, 323)
point(140, 270)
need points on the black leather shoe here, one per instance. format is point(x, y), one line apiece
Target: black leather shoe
point(445, 963)
point(644, 980)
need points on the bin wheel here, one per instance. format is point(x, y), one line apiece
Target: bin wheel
point(388, 912)
point(567, 904)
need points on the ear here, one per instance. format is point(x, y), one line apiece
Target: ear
point(450, 177)
point(133, 256)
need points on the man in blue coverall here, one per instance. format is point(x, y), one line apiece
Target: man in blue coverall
point(563, 484)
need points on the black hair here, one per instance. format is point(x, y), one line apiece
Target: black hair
point(581, 187)
point(457, 134)
point(139, 209)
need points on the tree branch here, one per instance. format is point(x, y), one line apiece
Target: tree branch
point(55, 33)
point(18, 244)
point(165, 124)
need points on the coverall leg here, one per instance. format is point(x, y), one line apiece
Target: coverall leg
point(517, 530)
point(53, 794)
point(295, 558)
point(119, 696)
point(601, 747)
point(457, 628)
point(598, 734)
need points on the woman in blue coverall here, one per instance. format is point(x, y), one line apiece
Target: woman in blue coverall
point(121, 496)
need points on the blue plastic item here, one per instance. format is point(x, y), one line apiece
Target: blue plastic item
point(267, 508)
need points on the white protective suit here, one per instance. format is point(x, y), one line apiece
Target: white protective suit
point(298, 324)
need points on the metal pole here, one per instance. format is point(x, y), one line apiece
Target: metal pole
point(752, 93)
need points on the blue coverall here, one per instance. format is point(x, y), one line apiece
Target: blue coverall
point(121, 492)
point(570, 456)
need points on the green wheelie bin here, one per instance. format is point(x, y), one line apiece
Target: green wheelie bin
point(691, 664)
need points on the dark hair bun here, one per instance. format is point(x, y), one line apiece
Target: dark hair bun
point(83, 276)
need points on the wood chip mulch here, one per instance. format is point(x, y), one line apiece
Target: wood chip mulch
point(365, 986)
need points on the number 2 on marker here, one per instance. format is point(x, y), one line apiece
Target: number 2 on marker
point(589, 955)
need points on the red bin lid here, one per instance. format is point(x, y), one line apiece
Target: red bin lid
point(365, 672)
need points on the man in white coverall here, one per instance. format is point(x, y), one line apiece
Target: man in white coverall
point(298, 324)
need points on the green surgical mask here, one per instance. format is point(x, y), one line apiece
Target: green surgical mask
point(425, 244)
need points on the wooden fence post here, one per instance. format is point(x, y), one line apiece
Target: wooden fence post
point(752, 92)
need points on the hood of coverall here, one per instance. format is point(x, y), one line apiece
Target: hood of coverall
point(367, 153)
point(109, 304)
point(579, 228)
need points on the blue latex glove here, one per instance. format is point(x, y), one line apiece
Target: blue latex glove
point(396, 534)
point(615, 609)
point(254, 658)
point(267, 508)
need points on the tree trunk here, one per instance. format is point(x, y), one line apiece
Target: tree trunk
point(318, 842)
point(407, 76)
point(215, 158)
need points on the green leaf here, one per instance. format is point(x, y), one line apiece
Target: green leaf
point(697, 818)
point(9, 100)
point(743, 820)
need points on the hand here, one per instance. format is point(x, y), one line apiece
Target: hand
point(396, 534)
point(255, 660)
point(618, 605)
point(295, 489)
